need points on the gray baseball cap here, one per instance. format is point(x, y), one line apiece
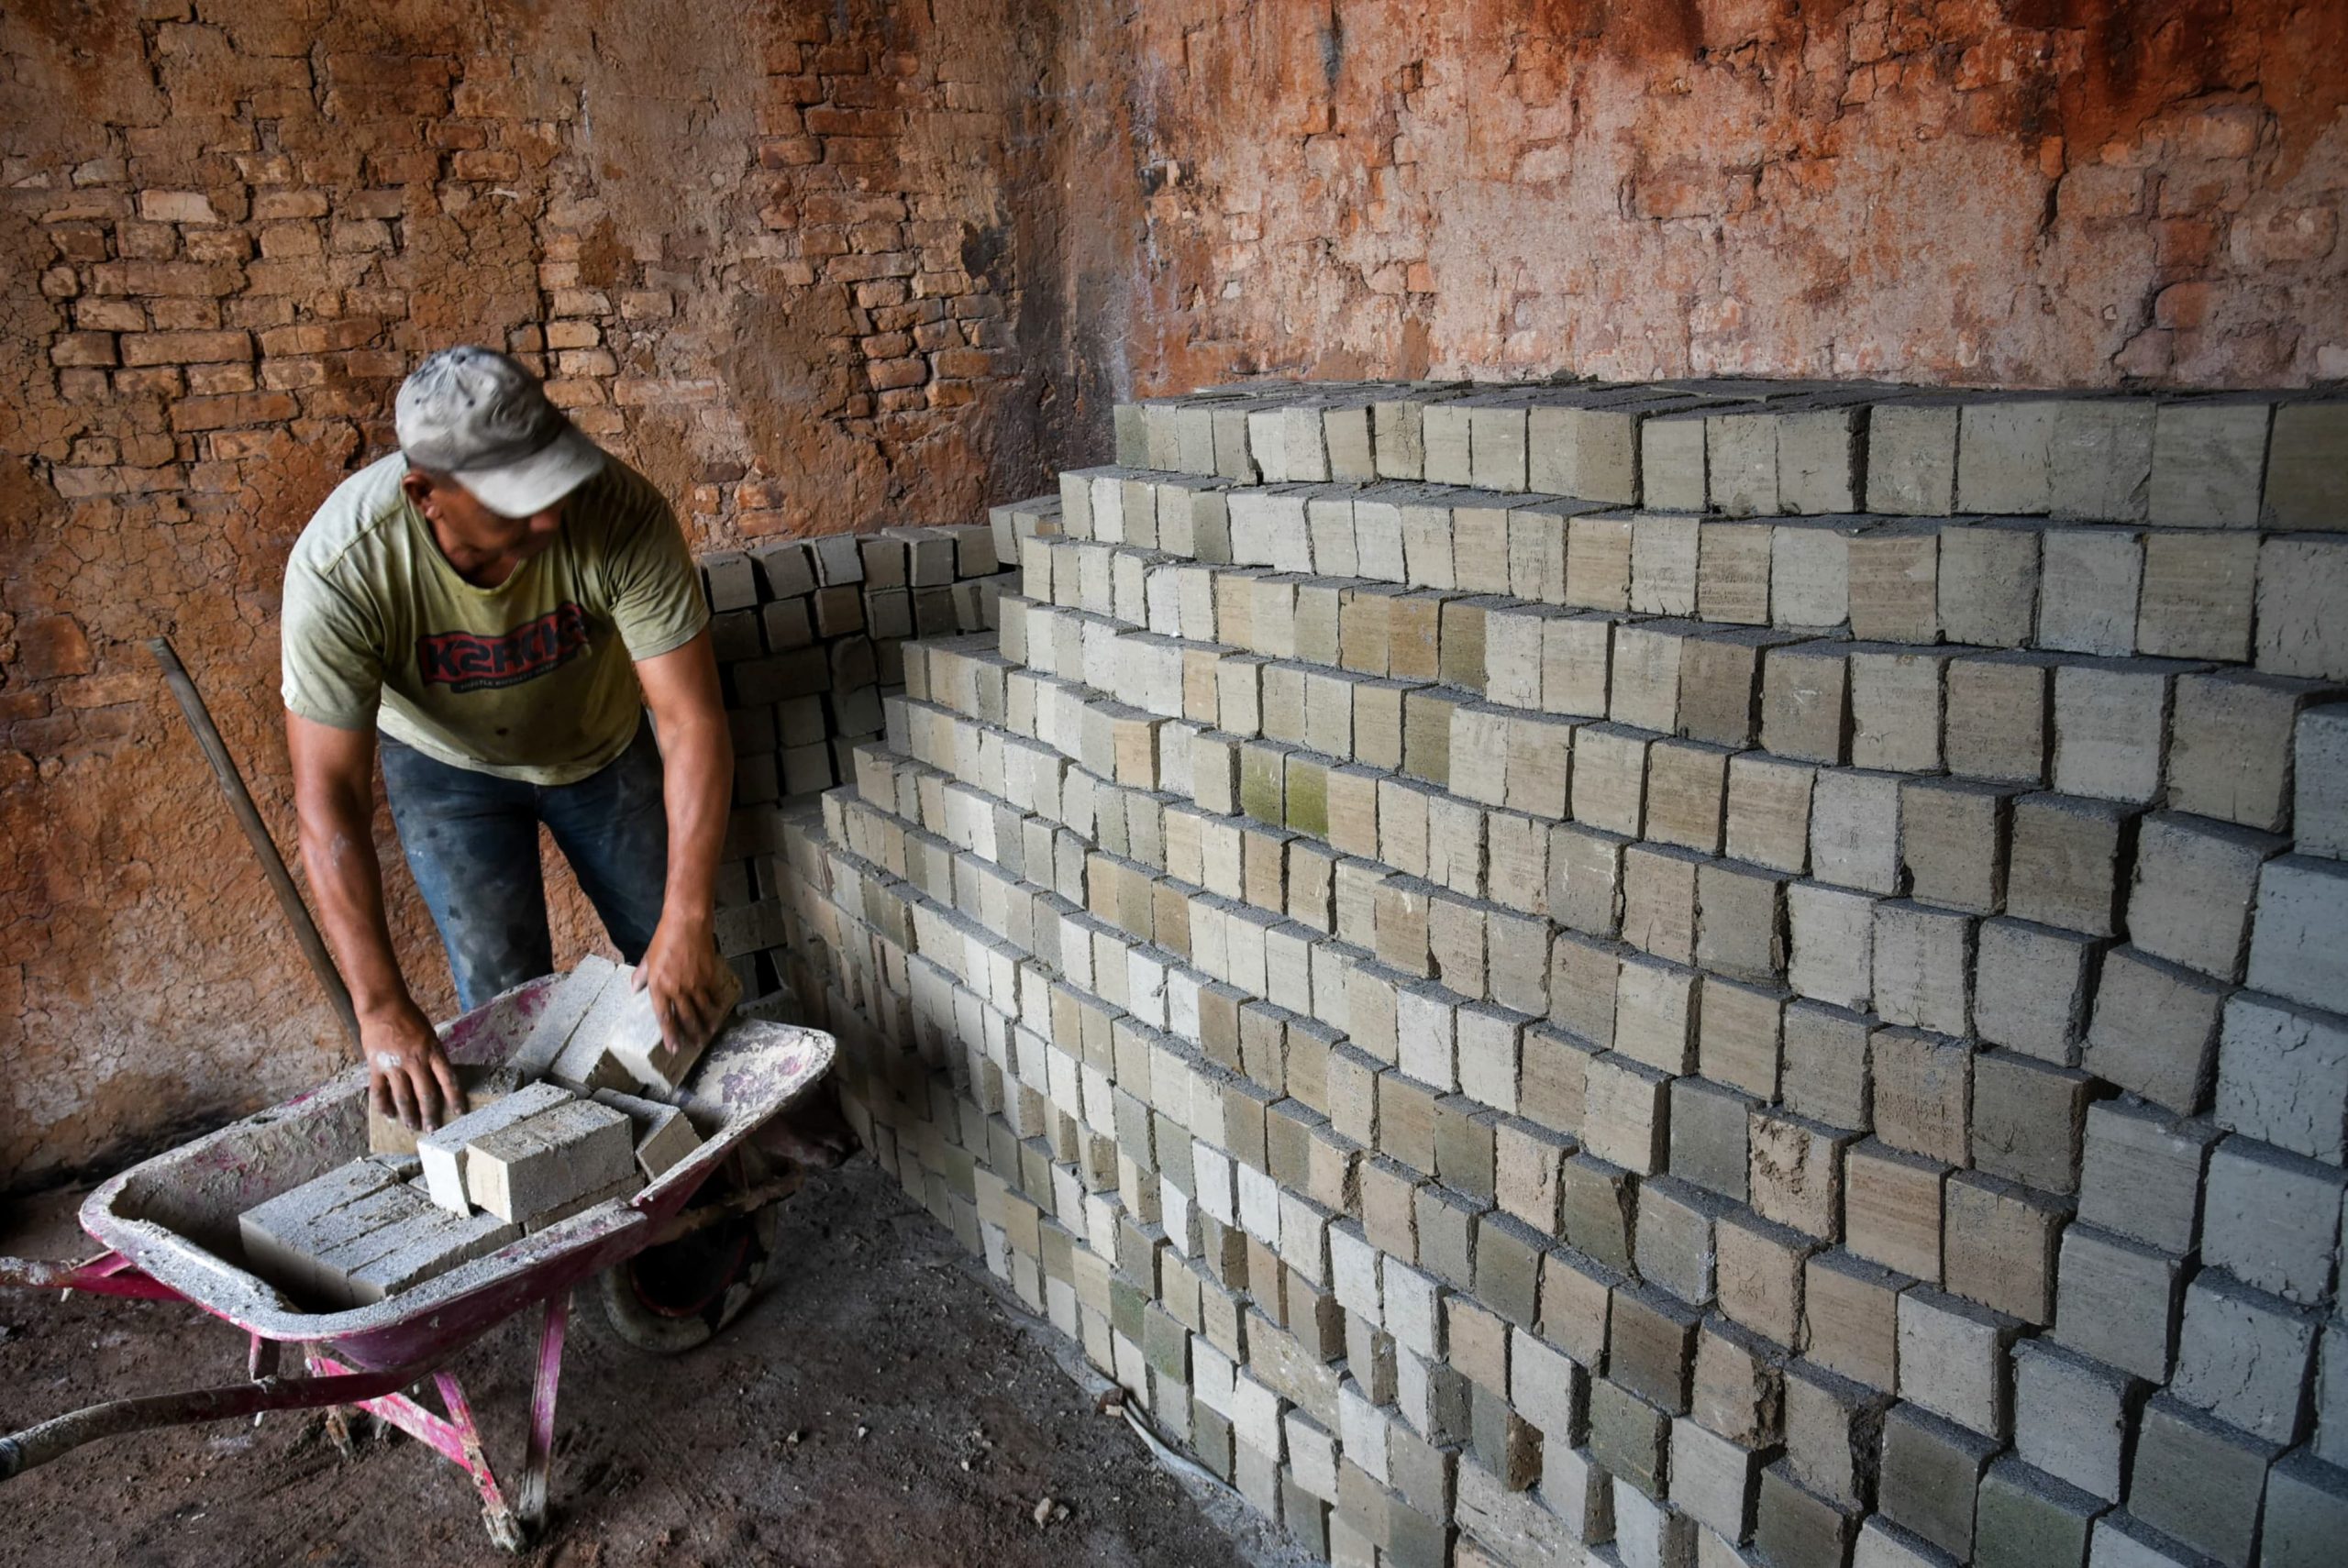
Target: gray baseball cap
point(477, 416)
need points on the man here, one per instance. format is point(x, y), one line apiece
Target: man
point(499, 601)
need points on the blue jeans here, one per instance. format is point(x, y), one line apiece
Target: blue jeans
point(472, 840)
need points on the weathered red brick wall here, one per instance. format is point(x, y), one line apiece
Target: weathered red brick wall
point(2019, 192)
point(765, 250)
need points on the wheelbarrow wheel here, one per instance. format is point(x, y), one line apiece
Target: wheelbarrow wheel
point(672, 1298)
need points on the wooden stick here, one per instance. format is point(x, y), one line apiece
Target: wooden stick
point(240, 801)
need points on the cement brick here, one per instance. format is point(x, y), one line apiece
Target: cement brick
point(2027, 1520)
point(2067, 862)
point(1953, 842)
point(1834, 1433)
point(663, 1137)
point(2306, 1514)
point(2244, 1357)
point(2194, 887)
point(2090, 585)
point(2121, 1541)
point(524, 1170)
point(1714, 1482)
point(2028, 1119)
point(1998, 1244)
point(2156, 1030)
point(2272, 1219)
point(1930, 1477)
point(2298, 945)
point(1758, 1274)
point(2198, 596)
point(1795, 1528)
point(1891, 1208)
point(2002, 456)
point(1629, 1437)
point(2101, 454)
point(2199, 1481)
point(2073, 1417)
point(571, 999)
point(1924, 967)
point(2142, 1174)
point(1796, 1174)
point(2320, 751)
point(2118, 1302)
point(1850, 1318)
point(1952, 1360)
point(2030, 985)
point(2283, 1077)
point(1739, 1389)
point(1997, 717)
point(2208, 459)
point(2299, 584)
point(443, 1152)
point(1912, 459)
point(2230, 749)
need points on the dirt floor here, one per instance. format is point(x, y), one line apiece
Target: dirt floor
point(875, 1406)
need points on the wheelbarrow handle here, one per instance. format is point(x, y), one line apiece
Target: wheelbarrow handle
point(37, 1445)
point(108, 1274)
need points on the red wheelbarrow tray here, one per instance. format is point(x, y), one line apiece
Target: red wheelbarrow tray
point(174, 1216)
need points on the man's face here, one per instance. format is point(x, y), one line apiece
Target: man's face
point(471, 533)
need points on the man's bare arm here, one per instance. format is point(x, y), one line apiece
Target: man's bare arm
point(334, 797)
point(682, 967)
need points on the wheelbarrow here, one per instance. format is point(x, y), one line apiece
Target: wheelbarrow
point(677, 1260)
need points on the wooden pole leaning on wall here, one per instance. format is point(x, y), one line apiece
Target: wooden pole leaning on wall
point(240, 801)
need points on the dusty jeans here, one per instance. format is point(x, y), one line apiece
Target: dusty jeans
point(472, 840)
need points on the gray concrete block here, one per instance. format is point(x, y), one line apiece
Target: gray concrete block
point(2283, 1076)
point(1714, 1481)
point(2100, 452)
point(2209, 461)
point(526, 1171)
point(1952, 1360)
point(2073, 1417)
point(2155, 1032)
point(2121, 1541)
point(2319, 775)
point(2142, 1174)
point(2030, 988)
point(1629, 1437)
point(1708, 1125)
point(1930, 1477)
point(568, 1002)
point(1834, 1433)
point(2003, 465)
point(1797, 1528)
point(1912, 459)
point(663, 1137)
point(2307, 466)
point(2272, 1219)
point(2028, 1520)
point(2330, 1442)
point(2195, 881)
point(442, 1153)
point(2118, 1302)
point(2298, 945)
point(2306, 1514)
point(2244, 1357)
point(2199, 1481)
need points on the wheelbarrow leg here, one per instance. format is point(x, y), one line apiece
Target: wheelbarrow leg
point(537, 1467)
point(505, 1529)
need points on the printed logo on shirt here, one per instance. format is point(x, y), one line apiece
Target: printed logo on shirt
point(463, 661)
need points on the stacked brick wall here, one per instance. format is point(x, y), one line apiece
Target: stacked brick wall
point(1706, 973)
point(760, 251)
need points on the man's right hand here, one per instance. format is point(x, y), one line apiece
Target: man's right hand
point(407, 1076)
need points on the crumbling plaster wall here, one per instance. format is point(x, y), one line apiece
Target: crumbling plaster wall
point(765, 250)
point(2032, 193)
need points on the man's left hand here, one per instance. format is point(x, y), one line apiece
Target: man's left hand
point(688, 982)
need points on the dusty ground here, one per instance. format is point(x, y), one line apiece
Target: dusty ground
point(929, 1424)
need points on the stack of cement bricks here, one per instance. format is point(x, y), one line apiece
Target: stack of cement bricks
point(1652, 974)
point(533, 1149)
point(809, 634)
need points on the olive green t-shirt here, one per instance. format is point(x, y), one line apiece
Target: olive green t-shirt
point(533, 679)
